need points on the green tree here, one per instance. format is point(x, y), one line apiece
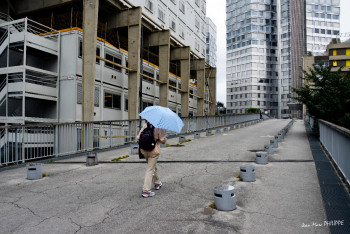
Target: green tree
point(326, 95)
point(220, 108)
point(253, 110)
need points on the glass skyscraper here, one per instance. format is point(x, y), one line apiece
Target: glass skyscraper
point(266, 40)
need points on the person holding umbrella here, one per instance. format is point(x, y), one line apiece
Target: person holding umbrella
point(158, 119)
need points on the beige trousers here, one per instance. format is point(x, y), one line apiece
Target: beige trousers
point(151, 173)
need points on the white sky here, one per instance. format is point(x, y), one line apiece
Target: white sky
point(216, 11)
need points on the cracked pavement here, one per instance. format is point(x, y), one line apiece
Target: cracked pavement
point(107, 198)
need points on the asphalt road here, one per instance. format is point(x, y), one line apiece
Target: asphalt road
point(106, 198)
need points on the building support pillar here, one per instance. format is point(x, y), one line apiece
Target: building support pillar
point(183, 54)
point(131, 18)
point(199, 67)
point(212, 91)
point(90, 19)
point(162, 40)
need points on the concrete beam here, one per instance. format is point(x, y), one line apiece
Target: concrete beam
point(180, 53)
point(126, 18)
point(158, 38)
point(199, 66)
point(22, 6)
point(212, 91)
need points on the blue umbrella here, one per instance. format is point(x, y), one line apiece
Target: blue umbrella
point(162, 117)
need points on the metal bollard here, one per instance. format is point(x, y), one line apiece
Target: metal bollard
point(34, 171)
point(269, 149)
point(91, 159)
point(208, 133)
point(197, 135)
point(261, 157)
point(182, 138)
point(134, 149)
point(247, 173)
point(225, 198)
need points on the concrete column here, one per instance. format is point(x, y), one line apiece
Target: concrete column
point(134, 75)
point(162, 39)
point(90, 17)
point(183, 54)
point(200, 68)
point(185, 79)
point(212, 91)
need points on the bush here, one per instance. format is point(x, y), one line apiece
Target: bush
point(253, 111)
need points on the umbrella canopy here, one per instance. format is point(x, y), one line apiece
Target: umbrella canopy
point(162, 117)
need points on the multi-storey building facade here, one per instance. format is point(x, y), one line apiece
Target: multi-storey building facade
point(211, 51)
point(265, 44)
point(41, 63)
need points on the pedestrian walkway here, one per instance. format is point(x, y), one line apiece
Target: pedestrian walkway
point(73, 198)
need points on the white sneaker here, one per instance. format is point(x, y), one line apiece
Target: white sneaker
point(151, 194)
point(158, 186)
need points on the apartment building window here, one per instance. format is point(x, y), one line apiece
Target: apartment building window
point(196, 22)
point(172, 24)
point(126, 65)
point(148, 73)
point(112, 100)
point(80, 52)
point(182, 31)
point(161, 14)
point(182, 6)
point(149, 5)
point(80, 95)
point(126, 105)
point(196, 45)
point(114, 59)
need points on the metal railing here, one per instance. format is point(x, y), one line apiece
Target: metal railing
point(336, 140)
point(26, 142)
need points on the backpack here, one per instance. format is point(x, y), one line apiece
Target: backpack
point(146, 141)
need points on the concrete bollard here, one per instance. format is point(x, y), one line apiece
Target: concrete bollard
point(197, 135)
point(225, 198)
point(225, 129)
point(91, 159)
point(34, 171)
point(247, 173)
point(269, 149)
point(261, 157)
point(232, 127)
point(218, 131)
point(208, 133)
point(182, 138)
point(134, 149)
point(274, 143)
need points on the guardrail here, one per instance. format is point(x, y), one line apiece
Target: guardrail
point(336, 140)
point(19, 144)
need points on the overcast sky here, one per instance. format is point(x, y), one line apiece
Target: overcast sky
point(216, 10)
